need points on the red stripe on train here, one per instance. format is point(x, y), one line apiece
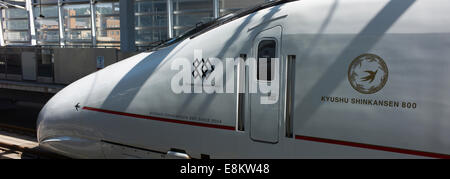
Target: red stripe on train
point(298, 137)
point(373, 147)
point(160, 119)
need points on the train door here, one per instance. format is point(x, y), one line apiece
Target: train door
point(265, 101)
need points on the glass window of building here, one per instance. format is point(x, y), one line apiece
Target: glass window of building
point(15, 26)
point(77, 24)
point(107, 23)
point(46, 21)
point(150, 22)
point(188, 13)
point(229, 6)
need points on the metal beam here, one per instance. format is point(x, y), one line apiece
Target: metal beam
point(4, 3)
point(170, 18)
point(216, 8)
point(93, 27)
point(2, 41)
point(61, 24)
point(29, 7)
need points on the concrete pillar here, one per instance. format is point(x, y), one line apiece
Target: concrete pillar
point(127, 26)
point(29, 8)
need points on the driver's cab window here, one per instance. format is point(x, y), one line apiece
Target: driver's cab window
point(266, 53)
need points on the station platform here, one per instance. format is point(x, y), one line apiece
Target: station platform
point(21, 102)
point(28, 91)
point(31, 86)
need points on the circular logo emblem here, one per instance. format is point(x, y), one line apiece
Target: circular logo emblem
point(368, 73)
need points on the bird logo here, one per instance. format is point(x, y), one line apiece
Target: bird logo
point(371, 76)
point(77, 106)
point(368, 73)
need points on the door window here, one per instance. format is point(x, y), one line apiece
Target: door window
point(266, 55)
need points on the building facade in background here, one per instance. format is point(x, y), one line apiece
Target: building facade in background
point(87, 23)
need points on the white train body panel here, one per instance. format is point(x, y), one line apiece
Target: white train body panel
point(128, 109)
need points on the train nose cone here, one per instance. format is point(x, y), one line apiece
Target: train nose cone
point(56, 117)
point(61, 116)
point(40, 122)
point(62, 126)
point(50, 119)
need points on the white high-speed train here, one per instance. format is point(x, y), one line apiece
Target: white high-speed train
point(355, 79)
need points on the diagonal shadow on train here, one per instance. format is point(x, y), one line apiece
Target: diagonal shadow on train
point(362, 43)
point(227, 45)
point(127, 88)
point(140, 73)
point(242, 28)
point(322, 28)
